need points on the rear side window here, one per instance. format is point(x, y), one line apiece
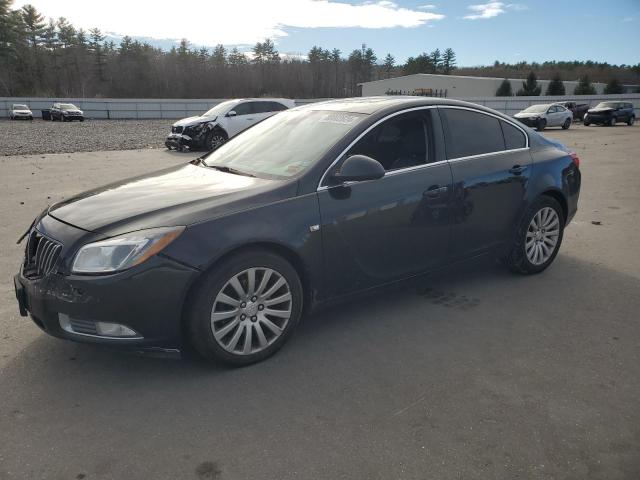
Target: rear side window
point(276, 107)
point(470, 133)
point(262, 107)
point(513, 137)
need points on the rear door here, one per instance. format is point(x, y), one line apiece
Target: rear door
point(491, 164)
point(377, 231)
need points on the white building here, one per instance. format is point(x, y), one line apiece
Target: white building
point(454, 86)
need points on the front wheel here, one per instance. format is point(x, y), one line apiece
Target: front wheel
point(566, 124)
point(538, 238)
point(631, 120)
point(214, 139)
point(246, 308)
point(612, 122)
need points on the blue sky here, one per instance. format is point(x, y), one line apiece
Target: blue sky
point(480, 32)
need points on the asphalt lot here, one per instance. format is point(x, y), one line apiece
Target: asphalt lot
point(473, 374)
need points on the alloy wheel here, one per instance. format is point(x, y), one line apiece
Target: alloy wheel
point(251, 311)
point(542, 236)
point(215, 141)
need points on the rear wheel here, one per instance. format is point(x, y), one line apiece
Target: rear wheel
point(538, 237)
point(631, 120)
point(566, 124)
point(542, 124)
point(246, 308)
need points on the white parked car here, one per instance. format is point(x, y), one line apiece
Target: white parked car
point(19, 111)
point(222, 122)
point(545, 115)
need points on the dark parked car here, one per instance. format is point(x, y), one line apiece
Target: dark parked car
point(578, 109)
point(66, 112)
point(313, 204)
point(610, 113)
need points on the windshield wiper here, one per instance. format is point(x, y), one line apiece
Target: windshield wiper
point(224, 168)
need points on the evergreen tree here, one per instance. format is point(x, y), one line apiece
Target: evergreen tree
point(613, 87)
point(448, 61)
point(530, 87)
point(423, 63)
point(504, 90)
point(584, 87)
point(436, 60)
point(387, 66)
point(555, 87)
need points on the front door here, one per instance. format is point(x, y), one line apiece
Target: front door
point(377, 231)
point(243, 119)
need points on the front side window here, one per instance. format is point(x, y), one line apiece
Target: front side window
point(470, 133)
point(400, 142)
point(243, 108)
point(284, 145)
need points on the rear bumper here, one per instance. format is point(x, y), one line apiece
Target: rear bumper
point(147, 299)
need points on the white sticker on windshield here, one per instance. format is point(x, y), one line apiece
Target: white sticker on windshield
point(341, 118)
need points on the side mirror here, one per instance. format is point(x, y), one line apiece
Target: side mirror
point(232, 113)
point(358, 168)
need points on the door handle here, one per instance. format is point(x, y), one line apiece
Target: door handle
point(434, 191)
point(517, 169)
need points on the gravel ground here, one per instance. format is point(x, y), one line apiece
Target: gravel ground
point(39, 136)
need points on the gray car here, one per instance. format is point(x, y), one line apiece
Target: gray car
point(545, 115)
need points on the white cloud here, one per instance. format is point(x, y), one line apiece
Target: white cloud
point(426, 7)
point(232, 22)
point(492, 9)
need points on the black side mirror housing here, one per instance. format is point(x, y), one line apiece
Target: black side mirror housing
point(358, 168)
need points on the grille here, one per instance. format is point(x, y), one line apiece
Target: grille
point(41, 255)
point(176, 129)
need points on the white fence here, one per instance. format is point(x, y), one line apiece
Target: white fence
point(120, 108)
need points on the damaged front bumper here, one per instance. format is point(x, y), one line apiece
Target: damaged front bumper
point(140, 307)
point(178, 141)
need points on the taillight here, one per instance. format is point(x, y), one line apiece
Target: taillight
point(575, 158)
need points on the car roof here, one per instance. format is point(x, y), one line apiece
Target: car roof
point(372, 105)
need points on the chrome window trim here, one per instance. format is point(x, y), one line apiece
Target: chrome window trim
point(427, 165)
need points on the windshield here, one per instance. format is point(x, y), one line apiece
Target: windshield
point(606, 105)
point(220, 109)
point(20, 107)
point(284, 145)
point(536, 109)
point(68, 106)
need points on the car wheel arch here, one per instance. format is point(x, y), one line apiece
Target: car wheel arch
point(267, 246)
point(559, 197)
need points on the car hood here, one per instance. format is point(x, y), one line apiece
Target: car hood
point(528, 115)
point(180, 195)
point(21, 111)
point(187, 122)
point(600, 110)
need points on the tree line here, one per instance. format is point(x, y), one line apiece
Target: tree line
point(530, 87)
point(47, 57)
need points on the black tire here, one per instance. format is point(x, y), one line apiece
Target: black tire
point(612, 122)
point(517, 259)
point(215, 138)
point(631, 120)
point(542, 124)
point(566, 124)
point(586, 124)
point(198, 319)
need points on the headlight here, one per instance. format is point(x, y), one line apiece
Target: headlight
point(124, 251)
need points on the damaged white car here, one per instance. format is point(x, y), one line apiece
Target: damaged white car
point(20, 111)
point(222, 122)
